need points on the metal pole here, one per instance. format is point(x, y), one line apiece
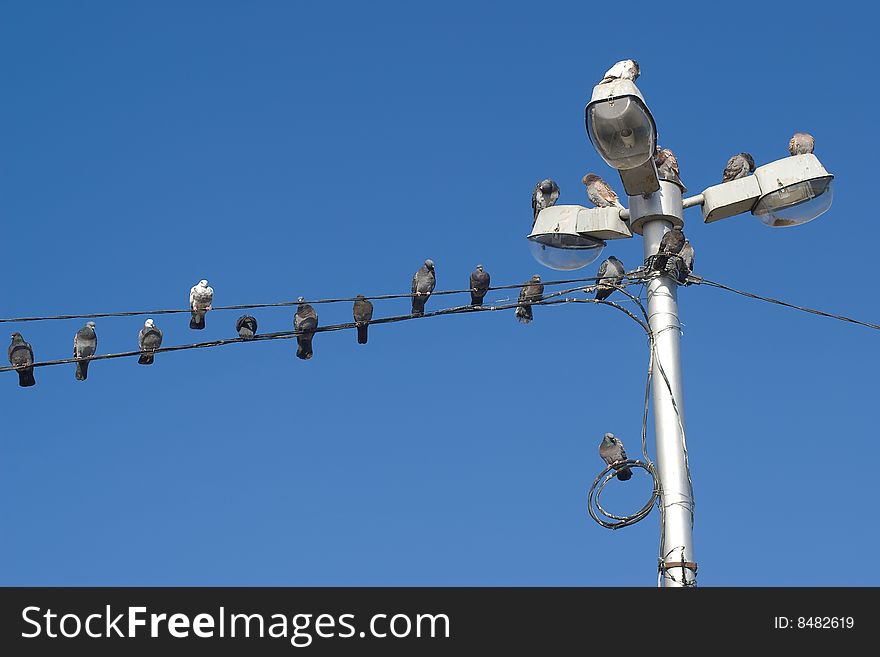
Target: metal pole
point(677, 565)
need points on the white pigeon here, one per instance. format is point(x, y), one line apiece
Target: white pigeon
point(626, 69)
point(200, 298)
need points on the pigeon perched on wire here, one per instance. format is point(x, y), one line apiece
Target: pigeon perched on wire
point(626, 69)
point(545, 195)
point(671, 244)
point(687, 261)
point(85, 343)
point(667, 167)
point(246, 326)
point(149, 339)
point(600, 193)
point(610, 274)
point(363, 313)
point(739, 166)
point(531, 292)
point(305, 321)
point(801, 143)
point(423, 283)
point(479, 285)
point(21, 357)
point(612, 452)
point(200, 298)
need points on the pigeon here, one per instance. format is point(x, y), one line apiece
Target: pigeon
point(801, 143)
point(612, 452)
point(611, 273)
point(687, 261)
point(545, 195)
point(200, 298)
point(600, 193)
point(306, 321)
point(667, 166)
point(149, 339)
point(671, 244)
point(423, 283)
point(739, 166)
point(479, 285)
point(626, 69)
point(21, 356)
point(85, 343)
point(363, 313)
point(532, 291)
point(246, 327)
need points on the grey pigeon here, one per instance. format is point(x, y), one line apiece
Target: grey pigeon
point(667, 167)
point(671, 244)
point(612, 452)
point(363, 313)
point(801, 143)
point(306, 321)
point(200, 298)
point(600, 193)
point(739, 166)
point(626, 69)
point(545, 195)
point(687, 261)
point(531, 292)
point(479, 285)
point(246, 327)
point(423, 283)
point(611, 273)
point(21, 357)
point(149, 339)
point(85, 343)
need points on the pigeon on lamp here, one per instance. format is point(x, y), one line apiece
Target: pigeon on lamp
point(149, 339)
point(21, 357)
point(246, 326)
point(739, 166)
point(612, 452)
point(531, 292)
point(423, 283)
point(667, 167)
point(85, 343)
point(363, 313)
point(801, 143)
point(305, 321)
point(545, 195)
point(610, 273)
point(479, 285)
point(671, 244)
point(200, 298)
point(600, 193)
point(626, 69)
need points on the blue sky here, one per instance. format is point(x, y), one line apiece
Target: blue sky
point(281, 149)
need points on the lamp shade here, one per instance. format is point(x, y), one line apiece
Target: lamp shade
point(620, 126)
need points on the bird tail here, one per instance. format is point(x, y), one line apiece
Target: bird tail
point(660, 261)
point(624, 474)
point(604, 292)
point(304, 347)
point(524, 313)
point(26, 378)
point(82, 370)
point(146, 359)
point(418, 306)
point(245, 333)
point(476, 299)
point(362, 333)
point(198, 321)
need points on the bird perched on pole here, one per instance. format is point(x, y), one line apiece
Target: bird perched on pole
point(545, 195)
point(671, 244)
point(687, 261)
point(85, 344)
point(801, 143)
point(667, 167)
point(625, 69)
point(610, 274)
point(21, 357)
point(479, 285)
point(739, 166)
point(200, 298)
point(423, 283)
point(305, 321)
point(363, 313)
point(612, 452)
point(246, 326)
point(600, 193)
point(149, 339)
point(531, 292)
